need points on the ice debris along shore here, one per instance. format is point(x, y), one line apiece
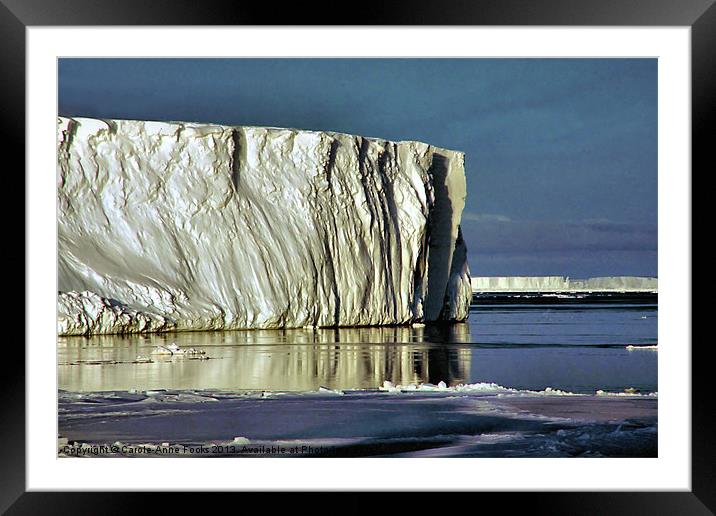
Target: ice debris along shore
point(493, 388)
point(185, 226)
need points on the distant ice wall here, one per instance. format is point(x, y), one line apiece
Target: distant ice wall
point(561, 283)
point(203, 227)
point(616, 283)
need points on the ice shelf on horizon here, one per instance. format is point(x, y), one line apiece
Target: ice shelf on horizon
point(563, 284)
point(188, 226)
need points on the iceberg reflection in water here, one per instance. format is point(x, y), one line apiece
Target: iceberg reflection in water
point(578, 348)
point(284, 360)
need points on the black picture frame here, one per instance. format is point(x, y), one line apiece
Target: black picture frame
point(700, 15)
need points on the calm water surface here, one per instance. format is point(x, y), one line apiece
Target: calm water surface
point(576, 348)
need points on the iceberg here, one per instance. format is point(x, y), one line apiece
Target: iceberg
point(177, 226)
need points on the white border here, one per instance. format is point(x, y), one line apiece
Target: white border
point(670, 471)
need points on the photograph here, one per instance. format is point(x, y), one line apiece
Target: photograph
point(438, 250)
point(342, 257)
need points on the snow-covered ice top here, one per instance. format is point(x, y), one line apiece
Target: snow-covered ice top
point(198, 227)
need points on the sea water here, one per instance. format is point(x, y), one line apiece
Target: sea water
point(514, 381)
point(575, 348)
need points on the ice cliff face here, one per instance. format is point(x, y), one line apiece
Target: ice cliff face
point(200, 227)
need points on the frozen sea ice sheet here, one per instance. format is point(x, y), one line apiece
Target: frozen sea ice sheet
point(441, 422)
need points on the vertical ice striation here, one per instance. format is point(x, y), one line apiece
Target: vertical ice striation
point(199, 226)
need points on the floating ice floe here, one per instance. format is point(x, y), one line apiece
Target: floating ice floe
point(632, 348)
point(172, 349)
point(326, 390)
point(389, 386)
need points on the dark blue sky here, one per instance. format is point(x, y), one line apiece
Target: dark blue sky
point(561, 154)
